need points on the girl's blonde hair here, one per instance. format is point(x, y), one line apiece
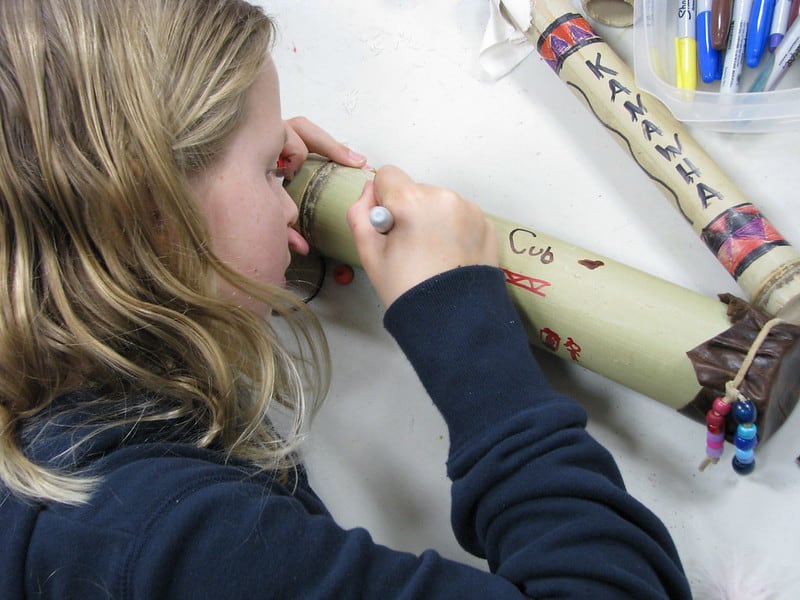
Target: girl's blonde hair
point(106, 108)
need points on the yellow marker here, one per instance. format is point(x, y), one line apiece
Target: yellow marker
point(686, 46)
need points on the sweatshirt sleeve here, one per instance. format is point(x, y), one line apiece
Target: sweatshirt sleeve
point(532, 491)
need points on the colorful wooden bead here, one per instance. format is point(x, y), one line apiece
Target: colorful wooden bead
point(744, 444)
point(713, 418)
point(743, 468)
point(747, 431)
point(721, 406)
point(343, 274)
point(715, 440)
point(744, 411)
point(715, 444)
point(746, 437)
point(745, 440)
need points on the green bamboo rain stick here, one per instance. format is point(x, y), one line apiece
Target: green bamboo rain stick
point(613, 319)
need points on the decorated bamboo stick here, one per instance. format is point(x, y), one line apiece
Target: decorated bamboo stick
point(612, 319)
point(617, 321)
point(752, 250)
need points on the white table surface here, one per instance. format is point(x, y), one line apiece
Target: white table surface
point(400, 81)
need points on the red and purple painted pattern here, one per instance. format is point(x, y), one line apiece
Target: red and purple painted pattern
point(739, 236)
point(565, 36)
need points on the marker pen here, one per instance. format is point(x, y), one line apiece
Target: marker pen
point(734, 57)
point(780, 23)
point(720, 23)
point(708, 57)
point(758, 30)
point(783, 58)
point(381, 219)
point(686, 46)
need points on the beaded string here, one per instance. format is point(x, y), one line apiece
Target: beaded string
point(744, 413)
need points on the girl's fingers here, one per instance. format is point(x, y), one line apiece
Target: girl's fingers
point(306, 136)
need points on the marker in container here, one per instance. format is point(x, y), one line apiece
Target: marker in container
point(686, 46)
point(781, 60)
point(381, 219)
point(758, 30)
point(708, 57)
point(720, 22)
point(780, 23)
point(734, 57)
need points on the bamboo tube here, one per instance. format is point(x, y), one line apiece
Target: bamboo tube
point(615, 320)
point(752, 250)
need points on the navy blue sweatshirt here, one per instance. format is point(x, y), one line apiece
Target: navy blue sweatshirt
point(532, 492)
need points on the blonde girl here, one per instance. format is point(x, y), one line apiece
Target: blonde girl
point(144, 240)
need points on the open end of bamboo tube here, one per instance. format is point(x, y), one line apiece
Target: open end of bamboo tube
point(616, 13)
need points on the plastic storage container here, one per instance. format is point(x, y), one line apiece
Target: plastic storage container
point(742, 112)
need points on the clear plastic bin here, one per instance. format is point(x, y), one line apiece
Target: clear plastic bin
point(654, 66)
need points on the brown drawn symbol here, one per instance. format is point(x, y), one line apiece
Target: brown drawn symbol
point(530, 284)
point(591, 264)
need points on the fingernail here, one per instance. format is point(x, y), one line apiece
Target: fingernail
point(356, 157)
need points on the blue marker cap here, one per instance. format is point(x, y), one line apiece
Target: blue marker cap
point(758, 30)
point(708, 57)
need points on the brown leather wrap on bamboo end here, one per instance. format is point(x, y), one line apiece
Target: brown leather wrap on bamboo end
point(772, 381)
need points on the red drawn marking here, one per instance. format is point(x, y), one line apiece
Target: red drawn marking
point(574, 349)
point(528, 284)
point(550, 339)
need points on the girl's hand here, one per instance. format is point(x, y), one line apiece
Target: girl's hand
point(435, 230)
point(304, 137)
